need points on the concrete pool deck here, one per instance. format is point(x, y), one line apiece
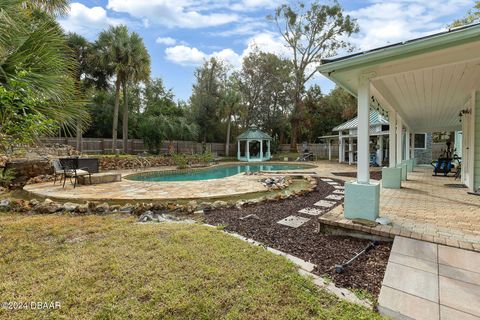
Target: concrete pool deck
point(239, 184)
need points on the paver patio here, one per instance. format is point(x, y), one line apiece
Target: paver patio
point(425, 209)
point(424, 280)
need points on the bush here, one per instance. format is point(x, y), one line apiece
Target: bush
point(6, 176)
point(180, 160)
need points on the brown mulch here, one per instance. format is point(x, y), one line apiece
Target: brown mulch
point(376, 175)
point(306, 242)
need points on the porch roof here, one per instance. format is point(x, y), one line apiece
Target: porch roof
point(375, 119)
point(428, 80)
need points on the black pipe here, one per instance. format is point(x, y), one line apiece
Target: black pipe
point(340, 268)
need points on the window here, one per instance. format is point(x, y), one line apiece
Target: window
point(420, 140)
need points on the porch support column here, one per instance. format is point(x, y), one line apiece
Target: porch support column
point(247, 150)
point(340, 147)
point(400, 148)
point(350, 150)
point(407, 145)
point(399, 139)
point(238, 150)
point(362, 198)
point(329, 150)
point(392, 143)
point(380, 151)
point(269, 153)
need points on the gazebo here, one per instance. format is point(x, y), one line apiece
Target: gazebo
point(253, 145)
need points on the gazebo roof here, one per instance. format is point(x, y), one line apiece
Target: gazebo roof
point(375, 119)
point(254, 133)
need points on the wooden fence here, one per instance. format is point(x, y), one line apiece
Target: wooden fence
point(104, 146)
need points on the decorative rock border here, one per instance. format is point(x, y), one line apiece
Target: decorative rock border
point(49, 206)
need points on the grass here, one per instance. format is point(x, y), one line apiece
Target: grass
point(106, 267)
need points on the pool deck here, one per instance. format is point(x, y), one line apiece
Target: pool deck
point(155, 191)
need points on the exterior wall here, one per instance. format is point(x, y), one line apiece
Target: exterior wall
point(424, 156)
point(476, 130)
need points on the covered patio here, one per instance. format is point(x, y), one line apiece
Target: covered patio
point(430, 84)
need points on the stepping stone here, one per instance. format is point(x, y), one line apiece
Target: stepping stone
point(293, 221)
point(312, 211)
point(333, 183)
point(339, 187)
point(334, 197)
point(327, 180)
point(339, 191)
point(324, 203)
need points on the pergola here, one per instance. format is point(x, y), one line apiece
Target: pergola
point(428, 84)
point(253, 145)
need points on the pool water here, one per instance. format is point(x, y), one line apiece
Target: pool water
point(214, 173)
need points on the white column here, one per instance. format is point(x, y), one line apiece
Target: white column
point(261, 150)
point(340, 147)
point(399, 139)
point(350, 150)
point(268, 150)
point(329, 150)
point(380, 151)
point(407, 145)
point(247, 150)
point(392, 137)
point(412, 145)
point(363, 138)
point(238, 150)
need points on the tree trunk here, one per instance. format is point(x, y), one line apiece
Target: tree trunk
point(227, 140)
point(115, 115)
point(125, 117)
point(79, 136)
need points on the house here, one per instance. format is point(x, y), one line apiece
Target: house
point(429, 84)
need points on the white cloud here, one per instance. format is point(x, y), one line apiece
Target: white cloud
point(247, 5)
point(268, 42)
point(191, 56)
point(173, 13)
point(87, 21)
point(185, 56)
point(383, 23)
point(166, 41)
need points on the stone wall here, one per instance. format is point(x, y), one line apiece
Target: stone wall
point(26, 169)
point(424, 156)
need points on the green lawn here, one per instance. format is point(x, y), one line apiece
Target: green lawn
point(106, 267)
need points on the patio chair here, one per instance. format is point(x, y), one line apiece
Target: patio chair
point(71, 170)
point(57, 171)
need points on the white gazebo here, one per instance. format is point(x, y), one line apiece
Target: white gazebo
point(253, 145)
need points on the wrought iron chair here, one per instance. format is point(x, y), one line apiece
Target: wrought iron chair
point(57, 171)
point(71, 170)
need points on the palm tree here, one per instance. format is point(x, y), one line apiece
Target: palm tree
point(112, 47)
point(230, 104)
point(32, 50)
point(80, 47)
point(138, 66)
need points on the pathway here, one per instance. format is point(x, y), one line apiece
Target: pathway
point(426, 281)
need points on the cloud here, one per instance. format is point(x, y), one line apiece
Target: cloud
point(166, 41)
point(87, 21)
point(383, 23)
point(173, 13)
point(191, 56)
point(248, 5)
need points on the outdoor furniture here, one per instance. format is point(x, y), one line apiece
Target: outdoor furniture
point(57, 171)
point(72, 170)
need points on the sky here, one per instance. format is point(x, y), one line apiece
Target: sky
point(181, 34)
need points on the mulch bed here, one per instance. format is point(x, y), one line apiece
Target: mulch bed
point(306, 242)
point(376, 175)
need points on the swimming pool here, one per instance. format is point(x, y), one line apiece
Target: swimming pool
point(217, 172)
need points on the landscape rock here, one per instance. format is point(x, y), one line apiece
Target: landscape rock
point(33, 202)
point(70, 207)
point(102, 208)
point(49, 206)
point(82, 208)
point(219, 204)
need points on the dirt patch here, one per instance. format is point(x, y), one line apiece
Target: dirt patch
point(366, 273)
point(376, 175)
